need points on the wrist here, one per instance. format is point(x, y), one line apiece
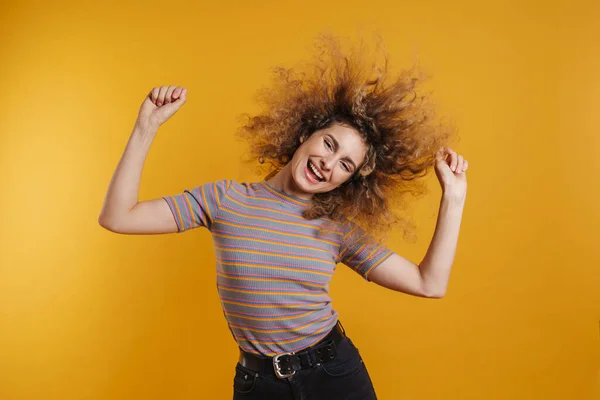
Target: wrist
point(144, 130)
point(143, 135)
point(453, 198)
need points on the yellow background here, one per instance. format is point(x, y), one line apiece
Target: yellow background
point(88, 314)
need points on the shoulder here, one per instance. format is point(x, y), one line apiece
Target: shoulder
point(229, 185)
point(249, 189)
point(350, 229)
point(244, 192)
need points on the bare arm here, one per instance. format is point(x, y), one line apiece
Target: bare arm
point(430, 278)
point(122, 212)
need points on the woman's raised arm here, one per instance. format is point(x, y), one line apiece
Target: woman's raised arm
point(121, 211)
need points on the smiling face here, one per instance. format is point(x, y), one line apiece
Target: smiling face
point(328, 158)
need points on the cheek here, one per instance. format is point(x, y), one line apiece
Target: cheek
point(340, 177)
point(298, 160)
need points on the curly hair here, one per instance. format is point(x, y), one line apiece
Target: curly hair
point(397, 125)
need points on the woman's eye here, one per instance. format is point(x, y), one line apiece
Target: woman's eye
point(346, 167)
point(329, 146)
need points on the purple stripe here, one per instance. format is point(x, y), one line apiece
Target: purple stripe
point(291, 279)
point(270, 289)
point(271, 264)
point(287, 303)
point(259, 236)
point(241, 314)
point(278, 326)
point(273, 252)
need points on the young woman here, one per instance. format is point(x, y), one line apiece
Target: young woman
point(341, 145)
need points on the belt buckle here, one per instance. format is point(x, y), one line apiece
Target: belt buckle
point(278, 369)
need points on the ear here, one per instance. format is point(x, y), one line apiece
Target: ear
point(302, 138)
point(366, 170)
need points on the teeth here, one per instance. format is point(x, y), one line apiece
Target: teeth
point(312, 167)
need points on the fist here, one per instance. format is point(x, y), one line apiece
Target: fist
point(451, 171)
point(160, 105)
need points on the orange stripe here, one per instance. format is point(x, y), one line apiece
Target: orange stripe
point(368, 257)
point(272, 242)
point(377, 263)
point(239, 303)
point(278, 232)
point(349, 232)
point(353, 254)
point(272, 254)
point(273, 293)
point(206, 204)
point(216, 189)
point(187, 200)
point(359, 250)
point(243, 278)
point(275, 330)
point(178, 213)
point(295, 269)
point(268, 319)
point(343, 253)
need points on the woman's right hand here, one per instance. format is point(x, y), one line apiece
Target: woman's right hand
point(160, 105)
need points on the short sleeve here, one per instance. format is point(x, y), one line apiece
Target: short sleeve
point(199, 206)
point(360, 252)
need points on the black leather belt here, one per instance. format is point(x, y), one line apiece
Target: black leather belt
point(286, 364)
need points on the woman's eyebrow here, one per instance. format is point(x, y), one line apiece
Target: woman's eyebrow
point(337, 146)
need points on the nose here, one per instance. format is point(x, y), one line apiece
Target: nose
point(327, 163)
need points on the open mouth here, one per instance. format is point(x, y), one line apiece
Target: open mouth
point(313, 173)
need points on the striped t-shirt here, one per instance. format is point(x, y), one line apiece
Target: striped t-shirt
point(273, 266)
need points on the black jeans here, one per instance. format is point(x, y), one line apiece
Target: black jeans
point(343, 378)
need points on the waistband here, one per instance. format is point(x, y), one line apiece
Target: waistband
point(286, 364)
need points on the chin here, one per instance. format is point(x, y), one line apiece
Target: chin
point(304, 185)
point(314, 188)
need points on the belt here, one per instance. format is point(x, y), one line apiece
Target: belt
point(286, 364)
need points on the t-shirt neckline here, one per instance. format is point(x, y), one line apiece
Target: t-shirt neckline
point(285, 196)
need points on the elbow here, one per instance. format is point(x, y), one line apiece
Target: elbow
point(107, 223)
point(103, 223)
point(434, 293)
point(433, 290)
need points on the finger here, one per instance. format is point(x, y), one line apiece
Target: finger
point(177, 92)
point(453, 161)
point(169, 94)
point(154, 94)
point(182, 93)
point(459, 165)
point(161, 96)
point(182, 98)
point(466, 165)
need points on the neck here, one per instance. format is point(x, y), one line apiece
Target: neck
point(283, 181)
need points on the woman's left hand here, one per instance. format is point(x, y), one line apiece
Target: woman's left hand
point(450, 169)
